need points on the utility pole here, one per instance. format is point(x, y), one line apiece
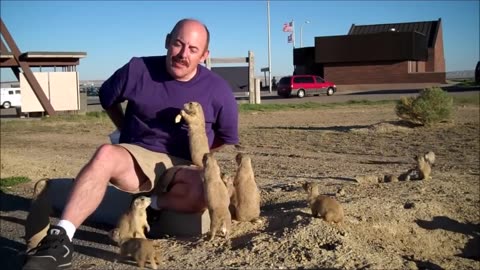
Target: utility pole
point(269, 50)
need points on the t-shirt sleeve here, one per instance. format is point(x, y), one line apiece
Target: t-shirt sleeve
point(226, 127)
point(112, 90)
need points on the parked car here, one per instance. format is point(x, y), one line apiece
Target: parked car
point(10, 97)
point(304, 85)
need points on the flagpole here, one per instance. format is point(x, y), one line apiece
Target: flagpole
point(269, 50)
point(293, 33)
point(293, 42)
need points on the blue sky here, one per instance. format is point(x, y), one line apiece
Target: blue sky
point(111, 32)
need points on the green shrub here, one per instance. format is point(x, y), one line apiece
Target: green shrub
point(433, 105)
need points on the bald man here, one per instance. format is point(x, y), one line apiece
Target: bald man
point(151, 143)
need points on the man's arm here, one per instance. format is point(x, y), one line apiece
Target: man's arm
point(115, 113)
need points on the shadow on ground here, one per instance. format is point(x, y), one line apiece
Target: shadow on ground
point(472, 248)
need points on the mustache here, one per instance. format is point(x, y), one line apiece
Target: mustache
point(180, 60)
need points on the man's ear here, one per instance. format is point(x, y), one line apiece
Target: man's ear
point(167, 40)
point(205, 56)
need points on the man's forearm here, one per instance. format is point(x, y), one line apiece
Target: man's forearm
point(116, 115)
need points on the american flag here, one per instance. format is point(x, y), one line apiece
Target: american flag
point(288, 27)
point(290, 38)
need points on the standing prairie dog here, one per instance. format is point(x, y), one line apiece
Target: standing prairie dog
point(228, 181)
point(133, 223)
point(192, 112)
point(323, 206)
point(247, 195)
point(38, 219)
point(141, 250)
point(424, 167)
point(217, 197)
point(430, 157)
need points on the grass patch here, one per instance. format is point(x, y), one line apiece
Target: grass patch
point(99, 115)
point(308, 105)
point(466, 82)
point(473, 99)
point(12, 181)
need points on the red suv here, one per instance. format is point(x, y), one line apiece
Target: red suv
point(304, 85)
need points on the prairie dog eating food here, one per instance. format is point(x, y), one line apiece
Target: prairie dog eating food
point(247, 195)
point(217, 197)
point(323, 206)
point(192, 112)
point(133, 223)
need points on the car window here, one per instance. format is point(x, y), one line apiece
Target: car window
point(284, 80)
point(10, 92)
point(319, 79)
point(303, 79)
point(17, 91)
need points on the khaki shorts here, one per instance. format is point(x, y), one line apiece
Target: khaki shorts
point(159, 168)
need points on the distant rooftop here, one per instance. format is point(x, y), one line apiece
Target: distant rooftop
point(427, 28)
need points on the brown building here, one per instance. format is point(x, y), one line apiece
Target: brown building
point(394, 53)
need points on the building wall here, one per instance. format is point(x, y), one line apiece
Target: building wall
point(378, 73)
point(439, 51)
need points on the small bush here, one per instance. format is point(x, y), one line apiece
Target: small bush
point(433, 105)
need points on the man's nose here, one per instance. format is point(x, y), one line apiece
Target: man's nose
point(184, 52)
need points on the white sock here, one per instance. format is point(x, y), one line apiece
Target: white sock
point(68, 226)
point(154, 202)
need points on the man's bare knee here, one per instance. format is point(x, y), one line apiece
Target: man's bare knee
point(123, 170)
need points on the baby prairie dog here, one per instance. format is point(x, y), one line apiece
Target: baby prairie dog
point(247, 195)
point(141, 250)
point(323, 206)
point(133, 223)
point(192, 112)
point(38, 219)
point(424, 167)
point(228, 181)
point(217, 197)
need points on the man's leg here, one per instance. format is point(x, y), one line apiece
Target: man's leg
point(109, 163)
point(186, 193)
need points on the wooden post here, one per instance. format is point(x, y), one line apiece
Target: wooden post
point(257, 91)
point(29, 76)
point(251, 77)
point(208, 63)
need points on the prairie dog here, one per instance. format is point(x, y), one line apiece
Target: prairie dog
point(323, 206)
point(423, 165)
point(38, 218)
point(217, 197)
point(141, 250)
point(192, 112)
point(134, 221)
point(247, 195)
point(228, 181)
point(430, 157)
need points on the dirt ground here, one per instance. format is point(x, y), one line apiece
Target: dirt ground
point(432, 224)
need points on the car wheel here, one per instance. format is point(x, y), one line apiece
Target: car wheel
point(330, 91)
point(301, 93)
point(6, 105)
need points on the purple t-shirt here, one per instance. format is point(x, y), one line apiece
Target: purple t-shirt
point(155, 98)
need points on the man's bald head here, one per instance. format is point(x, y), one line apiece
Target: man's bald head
point(190, 21)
